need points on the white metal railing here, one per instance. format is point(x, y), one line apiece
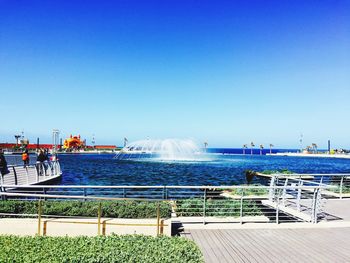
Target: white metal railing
point(31, 174)
point(199, 203)
point(339, 182)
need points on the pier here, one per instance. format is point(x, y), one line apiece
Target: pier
point(32, 174)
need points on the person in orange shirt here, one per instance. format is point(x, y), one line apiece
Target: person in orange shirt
point(25, 158)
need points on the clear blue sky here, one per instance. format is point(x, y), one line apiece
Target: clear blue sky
point(226, 72)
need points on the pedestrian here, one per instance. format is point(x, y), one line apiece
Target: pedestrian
point(3, 164)
point(25, 158)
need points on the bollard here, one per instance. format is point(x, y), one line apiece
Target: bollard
point(44, 228)
point(158, 219)
point(104, 228)
point(39, 217)
point(99, 219)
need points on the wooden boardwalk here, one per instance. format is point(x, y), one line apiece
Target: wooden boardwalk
point(273, 245)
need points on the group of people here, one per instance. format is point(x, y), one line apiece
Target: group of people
point(43, 155)
point(42, 160)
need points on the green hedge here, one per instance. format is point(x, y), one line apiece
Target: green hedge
point(131, 248)
point(219, 207)
point(114, 209)
point(249, 191)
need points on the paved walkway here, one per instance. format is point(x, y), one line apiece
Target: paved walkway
point(273, 245)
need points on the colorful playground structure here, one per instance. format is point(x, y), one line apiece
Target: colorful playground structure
point(73, 142)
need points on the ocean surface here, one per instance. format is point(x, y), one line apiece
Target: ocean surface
point(221, 168)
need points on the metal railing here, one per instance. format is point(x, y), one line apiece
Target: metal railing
point(268, 204)
point(43, 220)
point(339, 183)
point(31, 174)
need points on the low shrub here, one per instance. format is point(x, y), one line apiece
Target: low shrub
point(130, 248)
point(216, 207)
point(249, 191)
point(283, 171)
point(114, 209)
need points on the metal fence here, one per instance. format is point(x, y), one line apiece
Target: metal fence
point(242, 204)
point(31, 174)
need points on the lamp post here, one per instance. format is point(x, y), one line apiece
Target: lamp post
point(271, 145)
point(261, 148)
point(245, 146)
point(17, 139)
point(93, 141)
point(251, 149)
point(205, 146)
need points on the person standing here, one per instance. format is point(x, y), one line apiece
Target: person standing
point(25, 158)
point(3, 164)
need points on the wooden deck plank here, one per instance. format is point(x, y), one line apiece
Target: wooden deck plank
point(232, 246)
point(220, 252)
point(274, 245)
point(241, 245)
point(231, 255)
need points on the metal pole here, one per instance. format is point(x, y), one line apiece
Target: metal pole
point(299, 195)
point(39, 217)
point(341, 187)
point(204, 205)
point(44, 228)
point(277, 209)
point(99, 219)
point(241, 208)
point(158, 219)
point(104, 228)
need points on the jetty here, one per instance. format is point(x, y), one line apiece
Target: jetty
point(31, 175)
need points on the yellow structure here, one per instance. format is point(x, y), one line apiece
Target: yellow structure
point(73, 142)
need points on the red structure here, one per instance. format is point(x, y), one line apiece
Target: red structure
point(29, 146)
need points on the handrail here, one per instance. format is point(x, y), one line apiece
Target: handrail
point(208, 187)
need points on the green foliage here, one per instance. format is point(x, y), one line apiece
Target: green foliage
point(249, 191)
point(216, 207)
point(130, 248)
point(283, 171)
point(114, 209)
point(345, 189)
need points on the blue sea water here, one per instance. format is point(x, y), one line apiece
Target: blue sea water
point(222, 169)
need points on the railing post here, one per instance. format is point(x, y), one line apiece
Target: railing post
point(85, 194)
point(37, 174)
point(204, 205)
point(341, 187)
point(284, 194)
point(313, 207)
point(158, 219)
point(44, 193)
point(124, 193)
point(15, 175)
point(164, 192)
point(2, 189)
point(277, 209)
point(241, 208)
point(272, 189)
point(39, 217)
point(104, 227)
point(27, 175)
point(99, 214)
point(44, 228)
point(299, 194)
